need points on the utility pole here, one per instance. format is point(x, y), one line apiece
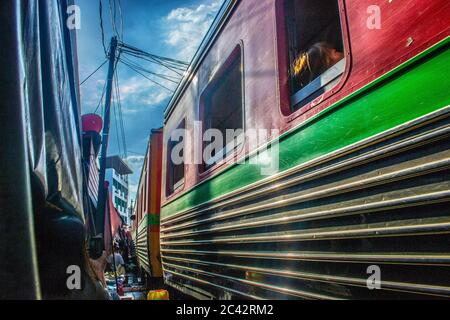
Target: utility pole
point(101, 206)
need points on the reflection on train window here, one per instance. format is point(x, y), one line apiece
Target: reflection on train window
point(175, 170)
point(316, 49)
point(221, 106)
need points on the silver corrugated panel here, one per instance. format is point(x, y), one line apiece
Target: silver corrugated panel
point(142, 246)
point(314, 231)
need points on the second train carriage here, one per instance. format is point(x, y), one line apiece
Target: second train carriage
point(147, 212)
point(362, 176)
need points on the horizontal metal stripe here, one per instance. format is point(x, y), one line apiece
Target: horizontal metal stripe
point(144, 264)
point(403, 229)
point(142, 232)
point(407, 173)
point(386, 285)
point(345, 257)
point(279, 219)
point(287, 291)
point(272, 183)
point(145, 267)
point(143, 259)
point(214, 285)
point(318, 173)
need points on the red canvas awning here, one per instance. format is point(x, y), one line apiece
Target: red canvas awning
point(113, 222)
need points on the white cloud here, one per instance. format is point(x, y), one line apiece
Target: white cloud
point(137, 93)
point(133, 188)
point(135, 163)
point(188, 26)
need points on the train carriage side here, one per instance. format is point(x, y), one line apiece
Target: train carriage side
point(148, 212)
point(358, 154)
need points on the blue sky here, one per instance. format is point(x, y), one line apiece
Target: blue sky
point(171, 28)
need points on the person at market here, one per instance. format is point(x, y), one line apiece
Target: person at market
point(118, 262)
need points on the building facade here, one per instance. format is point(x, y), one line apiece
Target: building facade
point(117, 172)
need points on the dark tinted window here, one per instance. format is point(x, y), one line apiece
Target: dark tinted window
point(175, 171)
point(222, 100)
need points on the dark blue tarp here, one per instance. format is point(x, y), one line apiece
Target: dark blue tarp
point(41, 207)
point(52, 102)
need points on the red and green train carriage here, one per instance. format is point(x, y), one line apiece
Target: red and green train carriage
point(362, 180)
point(147, 211)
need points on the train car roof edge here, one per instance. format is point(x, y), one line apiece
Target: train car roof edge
point(217, 25)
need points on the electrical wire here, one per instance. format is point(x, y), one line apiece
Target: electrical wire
point(121, 19)
point(173, 65)
point(116, 122)
point(93, 72)
point(153, 81)
point(112, 15)
point(173, 69)
point(101, 27)
point(172, 79)
point(120, 112)
point(104, 91)
point(155, 59)
point(101, 99)
point(136, 153)
point(131, 48)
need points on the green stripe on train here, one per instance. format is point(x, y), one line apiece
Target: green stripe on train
point(421, 86)
point(149, 220)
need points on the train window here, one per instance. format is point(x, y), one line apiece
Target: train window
point(175, 170)
point(222, 109)
point(316, 48)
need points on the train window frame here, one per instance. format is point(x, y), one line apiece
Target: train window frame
point(178, 186)
point(227, 152)
point(289, 102)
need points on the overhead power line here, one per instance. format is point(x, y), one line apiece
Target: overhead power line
point(121, 19)
point(151, 80)
point(131, 48)
point(104, 92)
point(93, 72)
point(101, 99)
point(172, 79)
point(101, 27)
point(120, 114)
point(175, 69)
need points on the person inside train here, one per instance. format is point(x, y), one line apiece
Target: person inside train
point(315, 61)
